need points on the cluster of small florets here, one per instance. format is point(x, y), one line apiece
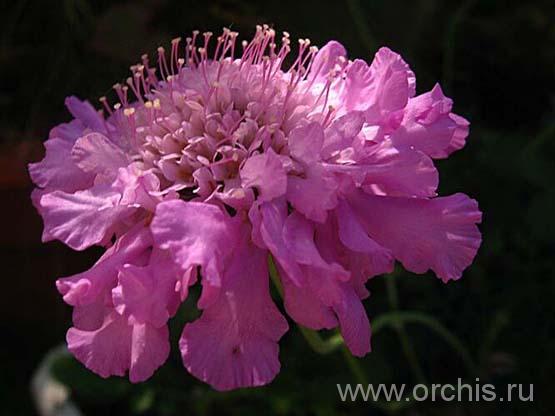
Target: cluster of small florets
point(216, 160)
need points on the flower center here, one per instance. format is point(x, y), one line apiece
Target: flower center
point(197, 125)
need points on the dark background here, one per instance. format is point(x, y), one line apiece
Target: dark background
point(495, 58)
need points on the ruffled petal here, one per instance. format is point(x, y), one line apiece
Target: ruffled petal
point(314, 194)
point(459, 137)
point(389, 170)
point(234, 343)
point(329, 284)
point(58, 171)
point(68, 132)
point(85, 112)
point(147, 294)
point(116, 347)
point(429, 126)
point(91, 316)
point(84, 218)
point(195, 234)
point(265, 173)
point(438, 234)
point(354, 238)
point(395, 172)
point(306, 142)
point(95, 215)
point(353, 321)
point(150, 348)
point(95, 153)
point(85, 288)
point(303, 306)
point(381, 89)
point(298, 234)
point(326, 59)
point(106, 350)
point(341, 134)
point(272, 217)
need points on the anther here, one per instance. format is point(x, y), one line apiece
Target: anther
point(129, 111)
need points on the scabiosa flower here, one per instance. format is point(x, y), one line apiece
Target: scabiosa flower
point(223, 158)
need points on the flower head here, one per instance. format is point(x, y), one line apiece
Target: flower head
point(220, 157)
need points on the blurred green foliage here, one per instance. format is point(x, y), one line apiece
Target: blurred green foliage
point(495, 58)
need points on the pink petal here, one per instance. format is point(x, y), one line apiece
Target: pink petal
point(255, 218)
point(326, 58)
point(82, 219)
point(86, 113)
point(272, 221)
point(341, 134)
point(68, 132)
point(196, 234)
point(360, 87)
point(57, 171)
point(429, 126)
point(386, 61)
point(459, 137)
point(388, 170)
point(353, 236)
point(147, 294)
point(85, 288)
point(91, 316)
point(314, 194)
point(438, 234)
point(265, 173)
point(381, 89)
point(150, 348)
point(116, 347)
point(353, 321)
point(234, 343)
point(306, 142)
point(94, 215)
point(304, 307)
point(298, 234)
point(400, 172)
point(105, 351)
point(328, 281)
point(138, 188)
point(95, 153)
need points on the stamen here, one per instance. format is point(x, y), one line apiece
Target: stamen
point(135, 85)
point(194, 48)
point(121, 92)
point(151, 78)
point(174, 57)
point(162, 64)
point(207, 37)
point(104, 102)
point(129, 114)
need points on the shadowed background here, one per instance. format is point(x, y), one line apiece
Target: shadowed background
point(496, 59)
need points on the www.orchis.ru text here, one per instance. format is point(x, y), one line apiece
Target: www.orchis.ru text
point(460, 392)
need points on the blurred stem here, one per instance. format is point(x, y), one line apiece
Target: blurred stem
point(393, 319)
point(318, 344)
point(313, 338)
point(408, 350)
point(354, 366)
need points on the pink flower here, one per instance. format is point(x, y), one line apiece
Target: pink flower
point(223, 158)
